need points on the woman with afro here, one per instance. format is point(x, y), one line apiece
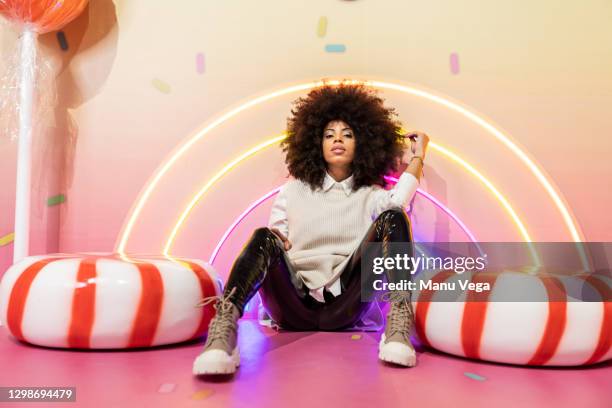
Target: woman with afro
point(341, 142)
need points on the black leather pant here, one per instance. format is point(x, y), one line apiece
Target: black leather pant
point(263, 265)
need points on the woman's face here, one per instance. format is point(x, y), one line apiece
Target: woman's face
point(338, 144)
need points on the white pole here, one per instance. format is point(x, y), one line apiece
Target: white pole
point(27, 79)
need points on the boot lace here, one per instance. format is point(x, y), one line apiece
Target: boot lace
point(401, 316)
point(222, 325)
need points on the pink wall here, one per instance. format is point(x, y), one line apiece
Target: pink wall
point(520, 67)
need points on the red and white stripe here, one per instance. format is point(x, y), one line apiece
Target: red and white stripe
point(557, 332)
point(103, 301)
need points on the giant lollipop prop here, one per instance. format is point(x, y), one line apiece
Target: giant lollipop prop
point(33, 17)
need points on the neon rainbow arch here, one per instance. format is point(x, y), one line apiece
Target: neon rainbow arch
point(412, 90)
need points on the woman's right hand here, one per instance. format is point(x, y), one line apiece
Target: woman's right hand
point(283, 238)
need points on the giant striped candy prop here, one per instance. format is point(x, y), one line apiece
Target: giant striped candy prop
point(557, 332)
point(106, 301)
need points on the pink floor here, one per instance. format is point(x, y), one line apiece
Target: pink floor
point(313, 369)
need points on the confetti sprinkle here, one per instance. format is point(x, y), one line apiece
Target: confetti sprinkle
point(200, 63)
point(61, 38)
point(454, 63)
point(202, 394)
point(7, 239)
point(356, 337)
point(335, 48)
point(322, 27)
point(161, 86)
point(55, 200)
point(474, 376)
point(166, 388)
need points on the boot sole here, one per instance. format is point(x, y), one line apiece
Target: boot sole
point(216, 362)
point(394, 352)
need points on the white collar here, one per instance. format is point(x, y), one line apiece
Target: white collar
point(346, 184)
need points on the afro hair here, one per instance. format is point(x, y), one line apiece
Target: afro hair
point(378, 142)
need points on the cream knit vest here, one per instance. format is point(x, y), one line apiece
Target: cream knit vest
point(325, 228)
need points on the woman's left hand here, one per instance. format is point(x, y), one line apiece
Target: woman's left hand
point(417, 146)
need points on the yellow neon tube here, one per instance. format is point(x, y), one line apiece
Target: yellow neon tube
point(454, 157)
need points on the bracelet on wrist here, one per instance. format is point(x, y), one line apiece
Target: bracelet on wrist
point(422, 163)
point(416, 157)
